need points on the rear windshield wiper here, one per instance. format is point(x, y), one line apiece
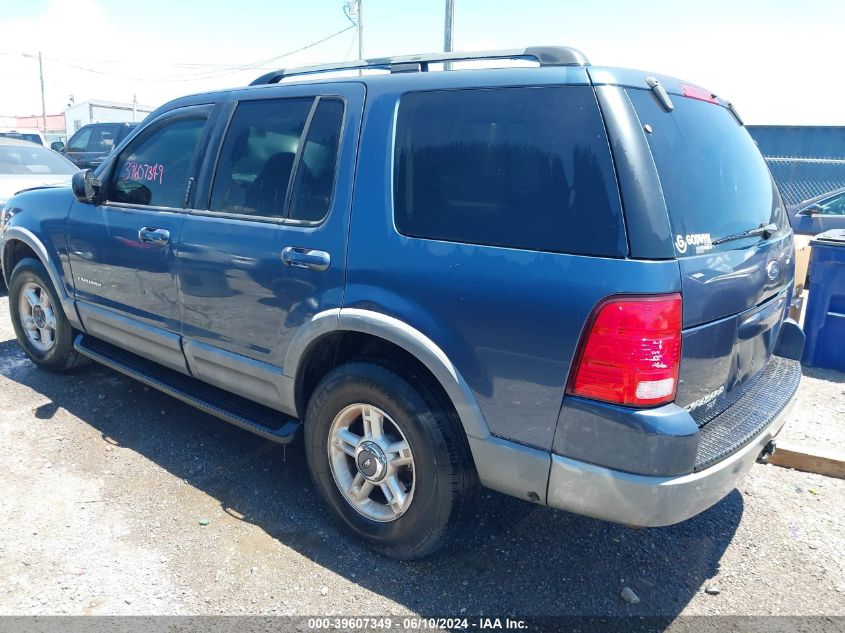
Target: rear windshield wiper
point(766, 230)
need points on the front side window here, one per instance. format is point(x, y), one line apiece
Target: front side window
point(79, 142)
point(834, 206)
point(154, 170)
point(516, 167)
point(258, 156)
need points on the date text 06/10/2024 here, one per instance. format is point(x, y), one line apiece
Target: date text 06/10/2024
point(417, 623)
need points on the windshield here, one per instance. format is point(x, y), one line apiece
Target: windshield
point(24, 159)
point(715, 181)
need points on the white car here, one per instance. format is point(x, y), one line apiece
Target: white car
point(24, 165)
point(25, 134)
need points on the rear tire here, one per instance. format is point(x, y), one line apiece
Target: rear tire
point(390, 460)
point(41, 326)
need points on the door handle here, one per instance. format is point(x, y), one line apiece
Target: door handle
point(159, 237)
point(306, 258)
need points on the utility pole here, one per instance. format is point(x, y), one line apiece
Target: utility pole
point(360, 29)
point(449, 29)
point(355, 9)
point(360, 33)
point(43, 102)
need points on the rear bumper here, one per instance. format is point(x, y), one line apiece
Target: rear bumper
point(648, 501)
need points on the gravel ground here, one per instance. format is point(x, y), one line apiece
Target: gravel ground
point(818, 418)
point(119, 500)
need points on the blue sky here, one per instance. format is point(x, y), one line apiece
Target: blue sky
point(780, 62)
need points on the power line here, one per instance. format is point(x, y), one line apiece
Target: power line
point(263, 62)
point(351, 44)
point(203, 75)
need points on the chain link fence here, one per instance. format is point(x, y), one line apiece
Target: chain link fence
point(802, 178)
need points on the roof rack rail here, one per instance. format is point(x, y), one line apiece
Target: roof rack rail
point(544, 55)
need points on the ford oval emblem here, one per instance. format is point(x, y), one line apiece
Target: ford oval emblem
point(773, 270)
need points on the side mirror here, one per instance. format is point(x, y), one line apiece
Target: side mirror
point(811, 210)
point(57, 146)
point(85, 186)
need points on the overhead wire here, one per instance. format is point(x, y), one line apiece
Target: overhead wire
point(351, 44)
point(203, 75)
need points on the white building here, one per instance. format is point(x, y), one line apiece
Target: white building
point(102, 112)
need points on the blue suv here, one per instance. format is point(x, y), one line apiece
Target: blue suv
point(566, 283)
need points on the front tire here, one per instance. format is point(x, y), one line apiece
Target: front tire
point(42, 329)
point(390, 460)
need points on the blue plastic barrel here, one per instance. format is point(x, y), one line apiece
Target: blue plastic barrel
point(824, 322)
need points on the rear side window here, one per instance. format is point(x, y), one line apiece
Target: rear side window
point(315, 173)
point(154, 170)
point(834, 206)
point(124, 130)
point(714, 179)
point(516, 167)
point(258, 155)
point(103, 139)
point(261, 157)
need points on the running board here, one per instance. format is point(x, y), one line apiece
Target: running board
point(264, 421)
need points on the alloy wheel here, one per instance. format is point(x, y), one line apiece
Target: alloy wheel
point(371, 462)
point(38, 316)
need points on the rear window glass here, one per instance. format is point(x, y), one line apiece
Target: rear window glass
point(715, 181)
point(26, 159)
point(517, 167)
point(22, 136)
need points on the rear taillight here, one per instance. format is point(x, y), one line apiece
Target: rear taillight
point(630, 352)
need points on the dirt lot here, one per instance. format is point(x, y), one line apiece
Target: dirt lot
point(119, 500)
point(818, 419)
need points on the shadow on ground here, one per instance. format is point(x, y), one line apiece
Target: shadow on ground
point(522, 559)
point(820, 373)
